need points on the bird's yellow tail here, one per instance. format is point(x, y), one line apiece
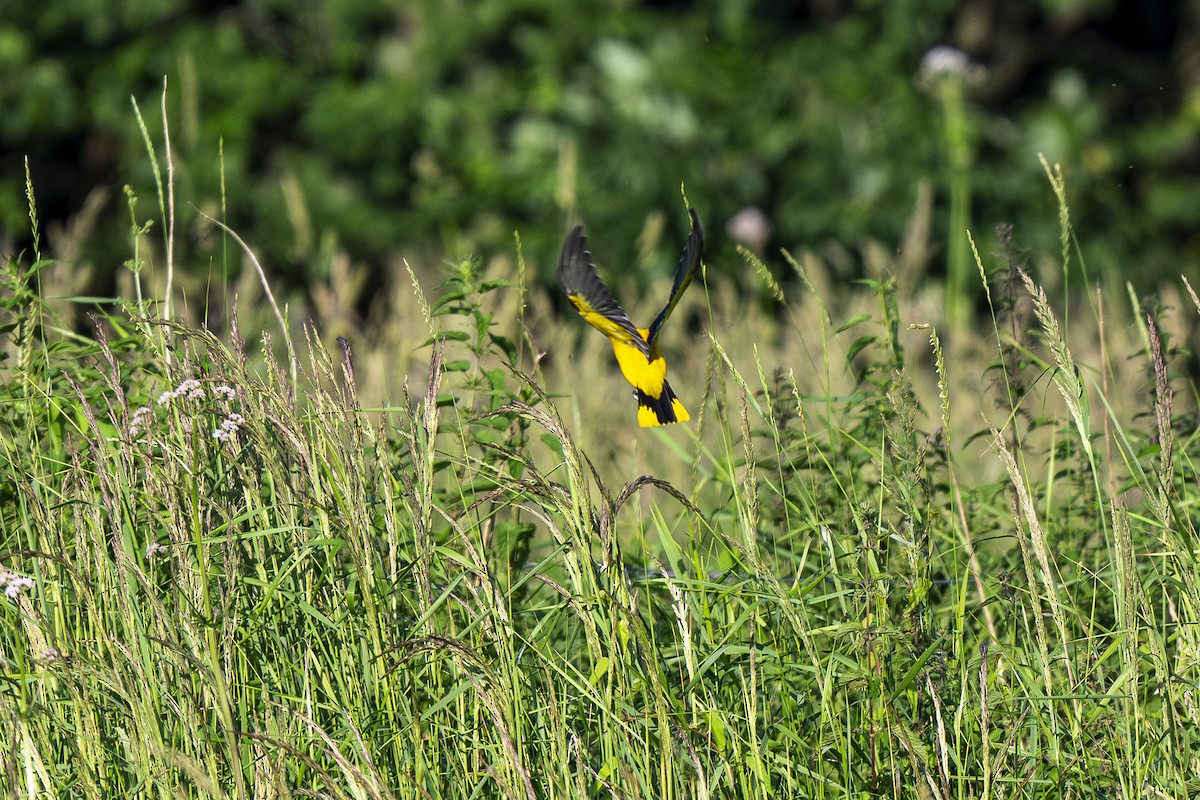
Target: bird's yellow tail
point(662, 410)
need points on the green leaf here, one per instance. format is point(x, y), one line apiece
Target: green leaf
point(860, 344)
point(551, 441)
point(516, 468)
point(451, 296)
point(857, 319)
point(496, 379)
point(602, 668)
point(483, 321)
point(506, 346)
point(716, 726)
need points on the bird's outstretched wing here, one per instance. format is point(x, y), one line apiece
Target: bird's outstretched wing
point(689, 264)
point(591, 298)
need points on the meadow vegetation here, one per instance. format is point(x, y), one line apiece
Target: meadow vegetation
point(889, 556)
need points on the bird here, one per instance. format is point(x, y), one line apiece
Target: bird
point(636, 348)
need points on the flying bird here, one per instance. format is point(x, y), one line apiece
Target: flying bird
point(636, 348)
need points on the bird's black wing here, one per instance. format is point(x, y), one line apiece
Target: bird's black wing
point(595, 303)
point(689, 264)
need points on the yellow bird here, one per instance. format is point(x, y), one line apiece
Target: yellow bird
point(636, 348)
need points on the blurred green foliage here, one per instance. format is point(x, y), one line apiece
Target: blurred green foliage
point(437, 127)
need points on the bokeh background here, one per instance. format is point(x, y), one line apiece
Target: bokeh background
point(438, 128)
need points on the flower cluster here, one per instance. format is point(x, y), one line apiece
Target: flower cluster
point(193, 390)
point(138, 421)
point(948, 62)
point(13, 584)
point(190, 388)
point(229, 426)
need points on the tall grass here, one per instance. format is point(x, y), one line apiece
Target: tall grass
point(880, 563)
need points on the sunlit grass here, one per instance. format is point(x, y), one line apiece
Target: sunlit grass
point(879, 561)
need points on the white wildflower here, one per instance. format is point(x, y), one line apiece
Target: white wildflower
point(944, 61)
point(138, 421)
point(191, 388)
point(14, 588)
point(14, 584)
point(229, 426)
